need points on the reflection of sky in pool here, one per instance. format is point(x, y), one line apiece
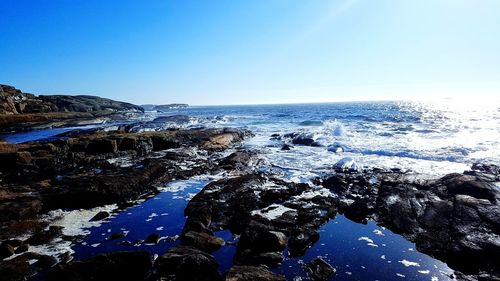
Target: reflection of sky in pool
point(163, 214)
point(357, 251)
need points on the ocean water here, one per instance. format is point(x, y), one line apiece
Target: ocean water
point(427, 139)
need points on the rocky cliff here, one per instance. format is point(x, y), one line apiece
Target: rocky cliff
point(13, 101)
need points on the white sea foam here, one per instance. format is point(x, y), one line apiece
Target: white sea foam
point(408, 263)
point(272, 212)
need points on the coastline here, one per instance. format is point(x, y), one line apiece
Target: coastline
point(453, 218)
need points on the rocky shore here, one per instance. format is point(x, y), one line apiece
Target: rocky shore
point(94, 170)
point(23, 111)
point(455, 218)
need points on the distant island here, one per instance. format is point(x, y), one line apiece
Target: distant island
point(164, 107)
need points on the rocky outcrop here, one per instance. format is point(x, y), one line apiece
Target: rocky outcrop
point(21, 111)
point(86, 171)
point(454, 218)
point(268, 214)
point(13, 101)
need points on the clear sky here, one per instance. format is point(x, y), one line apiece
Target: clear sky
point(250, 52)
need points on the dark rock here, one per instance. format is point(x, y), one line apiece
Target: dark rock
point(152, 239)
point(454, 218)
point(125, 243)
point(101, 146)
point(286, 147)
point(178, 119)
point(22, 249)
point(346, 165)
point(14, 242)
point(251, 273)
point(16, 270)
point(336, 148)
point(320, 270)
point(304, 139)
point(249, 257)
point(301, 241)
point(469, 185)
point(237, 160)
point(202, 241)
point(43, 237)
point(117, 235)
point(262, 241)
point(45, 261)
point(100, 216)
point(113, 266)
point(185, 263)
point(6, 250)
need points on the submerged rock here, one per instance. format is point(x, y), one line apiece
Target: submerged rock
point(153, 238)
point(202, 241)
point(320, 270)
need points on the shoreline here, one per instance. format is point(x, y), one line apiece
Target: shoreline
point(93, 174)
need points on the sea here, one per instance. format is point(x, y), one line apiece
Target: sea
point(426, 139)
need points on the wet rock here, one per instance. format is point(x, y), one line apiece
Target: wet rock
point(286, 147)
point(260, 246)
point(202, 241)
point(101, 146)
point(300, 241)
point(45, 236)
point(239, 160)
point(45, 261)
point(336, 148)
point(262, 240)
point(454, 218)
point(185, 263)
point(320, 270)
point(6, 250)
point(178, 119)
point(125, 243)
point(16, 270)
point(117, 235)
point(470, 185)
point(113, 266)
point(304, 139)
point(100, 216)
point(218, 142)
point(346, 164)
point(249, 257)
point(251, 273)
point(22, 249)
point(275, 137)
point(152, 239)
point(14, 242)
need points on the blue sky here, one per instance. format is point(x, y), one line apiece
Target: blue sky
point(250, 52)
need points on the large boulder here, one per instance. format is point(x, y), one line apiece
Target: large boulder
point(185, 263)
